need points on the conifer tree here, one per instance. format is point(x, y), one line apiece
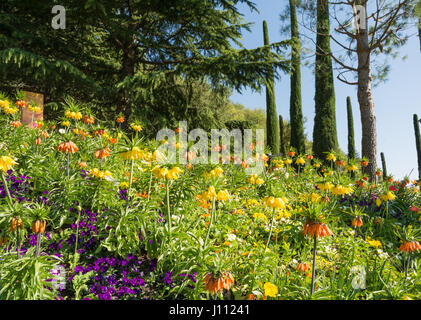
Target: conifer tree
point(351, 142)
point(296, 114)
point(383, 165)
point(283, 147)
point(272, 127)
point(418, 143)
point(324, 133)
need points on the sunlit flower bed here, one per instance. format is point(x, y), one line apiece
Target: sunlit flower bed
point(87, 212)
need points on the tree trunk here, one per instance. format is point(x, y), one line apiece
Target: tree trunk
point(365, 99)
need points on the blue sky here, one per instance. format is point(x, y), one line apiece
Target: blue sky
point(395, 100)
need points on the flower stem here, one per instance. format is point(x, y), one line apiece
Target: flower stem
point(130, 182)
point(68, 164)
point(314, 266)
point(38, 244)
point(77, 237)
point(168, 209)
point(407, 265)
point(17, 241)
point(211, 221)
point(150, 185)
point(9, 197)
point(271, 227)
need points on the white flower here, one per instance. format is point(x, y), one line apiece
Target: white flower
point(61, 131)
point(382, 254)
point(231, 237)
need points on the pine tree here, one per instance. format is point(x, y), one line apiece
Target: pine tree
point(283, 147)
point(418, 143)
point(272, 127)
point(383, 165)
point(351, 142)
point(324, 133)
point(296, 114)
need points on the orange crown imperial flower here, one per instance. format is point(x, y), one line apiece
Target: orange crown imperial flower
point(15, 124)
point(357, 222)
point(316, 229)
point(88, 119)
point(214, 285)
point(100, 132)
point(67, 147)
point(120, 120)
point(410, 246)
point(303, 267)
point(340, 163)
point(21, 103)
point(99, 154)
point(83, 164)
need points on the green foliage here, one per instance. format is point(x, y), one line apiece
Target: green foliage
point(324, 133)
point(272, 126)
point(351, 142)
point(138, 57)
point(283, 148)
point(25, 278)
point(383, 166)
point(296, 114)
point(418, 143)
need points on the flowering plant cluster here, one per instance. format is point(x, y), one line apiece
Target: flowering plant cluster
point(95, 209)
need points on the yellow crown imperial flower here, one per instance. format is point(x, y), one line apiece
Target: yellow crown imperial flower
point(287, 161)
point(34, 109)
point(6, 163)
point(100, 174)
point(158, 156)
point(252, 179)
point(352, 167)
point(271, 290)
point(160, 173)
point(223, 195)
point(136, 127)
point(173, 173)
point(211, 192)
point(388, 196)
point(124, 185)
point(315, 197)
point(4, 104)
point(331, 157)
point(300, 161)
point(279, 203)
point(325, 186)
point(134, 154)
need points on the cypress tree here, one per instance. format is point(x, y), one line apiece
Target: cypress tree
point(283, 147)
point(418, 143)
point(351, 142)
point(383, 165)
point(272, 127)
point(296, 114)
point(324, 133)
